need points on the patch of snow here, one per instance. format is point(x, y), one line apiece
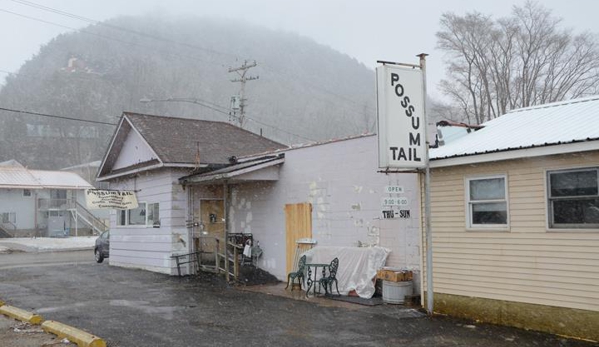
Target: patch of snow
point(48, 244)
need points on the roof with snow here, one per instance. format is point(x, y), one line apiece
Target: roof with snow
point(15, 176)
point(562, 123)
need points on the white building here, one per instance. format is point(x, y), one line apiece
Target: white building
point(330, 192)
point(42, 203)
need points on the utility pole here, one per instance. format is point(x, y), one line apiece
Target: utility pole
point(241, 71)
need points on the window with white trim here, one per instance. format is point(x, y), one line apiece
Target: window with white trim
point(147, 214)
point(26, 192)
point(487, 202)
point(573, 198)
point(8, 217)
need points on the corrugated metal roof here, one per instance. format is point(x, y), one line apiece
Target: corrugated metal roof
point(16, 176)
point(557, 123)
point(21, 177)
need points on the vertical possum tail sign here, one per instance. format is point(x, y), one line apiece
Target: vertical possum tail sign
point(110, 199)
point(401, 119)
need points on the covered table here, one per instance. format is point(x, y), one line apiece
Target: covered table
point(357, 266)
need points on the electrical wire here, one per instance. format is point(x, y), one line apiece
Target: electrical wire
point(226, 111)
point(92, 21)
point(159, 38)
point(166, 52)
point(54, 116)
point(112, 26)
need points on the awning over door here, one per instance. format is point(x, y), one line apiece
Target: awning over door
point(255, 169)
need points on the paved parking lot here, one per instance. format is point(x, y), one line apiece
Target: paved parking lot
point(138, 308)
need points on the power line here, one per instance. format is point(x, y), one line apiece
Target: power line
point(106, 123)
point(54, 116)
point(167, 52)
point(93, 21)
point(27, 3)
point(159, 38)
point(224, 110)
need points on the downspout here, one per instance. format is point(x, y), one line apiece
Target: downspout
point(35, 212)
point(190, 231)
point(226, 226)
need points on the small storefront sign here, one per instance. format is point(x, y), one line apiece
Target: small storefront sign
point(392, 214)
point(390, 201)
point(98, 199)
point(393, 189)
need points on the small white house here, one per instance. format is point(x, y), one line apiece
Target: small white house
point(42, 203)
point(197, 178)
point(148, 154)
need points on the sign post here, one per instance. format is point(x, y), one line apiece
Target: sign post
point(403, 135)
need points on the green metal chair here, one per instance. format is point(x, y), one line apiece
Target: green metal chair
point(299, 274)
point(327, 281)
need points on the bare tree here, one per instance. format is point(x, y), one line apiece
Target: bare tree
point(522, 60)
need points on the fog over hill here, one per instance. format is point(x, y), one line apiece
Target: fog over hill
point(305, 91)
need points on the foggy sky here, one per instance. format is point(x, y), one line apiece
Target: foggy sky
point(366, 30)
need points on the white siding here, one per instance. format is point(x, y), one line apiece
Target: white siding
point(147, 247)
point(340, 179)
point(12, 200)
point(134, 151)
point(527, 263)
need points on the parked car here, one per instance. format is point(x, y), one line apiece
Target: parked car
point(102, 246)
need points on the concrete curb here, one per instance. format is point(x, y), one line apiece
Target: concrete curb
point(20, 314)
point(80, 337)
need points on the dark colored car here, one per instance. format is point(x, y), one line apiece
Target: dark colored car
point(102, 246)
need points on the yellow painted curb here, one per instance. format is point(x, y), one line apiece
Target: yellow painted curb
point(80, 337)
point(21, 315)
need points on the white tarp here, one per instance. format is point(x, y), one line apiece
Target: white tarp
point(357, 266)
point(110, 199)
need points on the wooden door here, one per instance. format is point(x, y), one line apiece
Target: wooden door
point(212, 221)
point(298, 225)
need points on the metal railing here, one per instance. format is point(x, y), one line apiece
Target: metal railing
point(97, 224)
point(78, 211)
point(226, 256)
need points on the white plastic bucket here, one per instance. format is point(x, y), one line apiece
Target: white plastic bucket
point(395, 292)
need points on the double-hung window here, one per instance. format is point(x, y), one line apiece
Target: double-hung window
point(573, 198)
point(146, 214)
point(487, 202)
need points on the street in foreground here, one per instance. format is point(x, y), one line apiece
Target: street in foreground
point(130, 307)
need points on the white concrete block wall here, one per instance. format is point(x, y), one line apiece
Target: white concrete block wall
point(341, 181)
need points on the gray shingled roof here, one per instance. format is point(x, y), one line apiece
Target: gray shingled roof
point(175, 140)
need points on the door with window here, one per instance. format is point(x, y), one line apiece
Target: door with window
point(212, 225)
point(57, 223)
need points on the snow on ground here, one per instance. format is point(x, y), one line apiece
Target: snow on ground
point(48, 244)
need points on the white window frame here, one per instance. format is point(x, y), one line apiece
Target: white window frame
point(549, 208)
point(8, 217)
point(145, 205)
point(469, 204)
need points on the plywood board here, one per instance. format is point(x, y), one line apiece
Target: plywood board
point(298, 225)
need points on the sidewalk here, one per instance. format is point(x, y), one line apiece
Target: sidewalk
point(47, 244)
